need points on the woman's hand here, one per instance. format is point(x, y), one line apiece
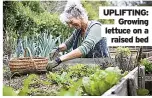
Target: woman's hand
point(53, 64)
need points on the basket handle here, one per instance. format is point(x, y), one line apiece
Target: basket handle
point(28, 49)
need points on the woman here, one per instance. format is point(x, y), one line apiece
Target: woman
point(86, 40)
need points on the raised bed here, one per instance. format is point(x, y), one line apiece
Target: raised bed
point(128, 84)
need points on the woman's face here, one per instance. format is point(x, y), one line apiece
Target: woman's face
point(75, 23)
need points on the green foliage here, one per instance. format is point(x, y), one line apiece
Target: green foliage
point(100, 81)
point(28, 87)
point(72, 74)
point(28, 18)
point(93, 81)
point(31, 86)
point(147, 64)
point(59, 79)
point(9, 42)
point(34, 6)
point(8, 91)
point(39, 44)
point(142, 92)
point(46, 43)
point(25, 90)
point(114, 70)
point(81, 70)
point(93, 11)
point(92, 7)
point(74, 90)
point(123, 51)
point(14, 17)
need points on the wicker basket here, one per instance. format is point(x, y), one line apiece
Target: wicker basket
point(28, 64)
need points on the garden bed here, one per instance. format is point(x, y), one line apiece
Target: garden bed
point(126, 86)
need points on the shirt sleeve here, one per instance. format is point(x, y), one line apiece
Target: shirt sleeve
point(93, 37)
point(70, 40)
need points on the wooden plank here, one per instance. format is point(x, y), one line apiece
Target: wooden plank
point(89, 61)
point(145, 50)
point(118, 90)
point(134, 72)
point(121, 89)
point(141, 78)
point(132, 86)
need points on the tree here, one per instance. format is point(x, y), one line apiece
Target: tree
point(92, 7)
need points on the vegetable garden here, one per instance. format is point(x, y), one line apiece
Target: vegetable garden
point(75, 80)
point(80, 77)
point(30, 25)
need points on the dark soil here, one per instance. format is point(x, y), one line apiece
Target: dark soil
point(17, 81)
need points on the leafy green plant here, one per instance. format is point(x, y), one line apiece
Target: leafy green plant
point(142, 92)
point(57, 78)
point(91, 81)
point(46, 43)
point(31, 44)
point(100, 82)
point(74, 90)
point(147, 64)
point(40, 44)
point(25, 90)
point(28, 18)
point(72, 74)
point(123, 59)
point(81, 70)
point(123, 51)
point(9, 91)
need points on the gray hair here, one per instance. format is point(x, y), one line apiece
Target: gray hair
point(73, 9)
